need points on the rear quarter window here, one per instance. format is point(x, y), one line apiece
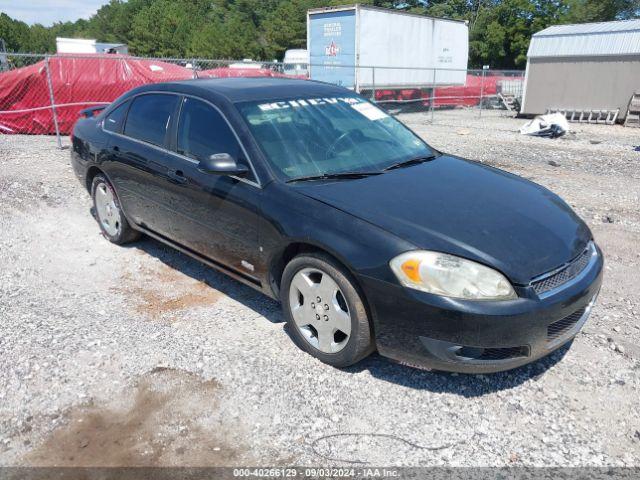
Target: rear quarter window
point(114, 121)
point(149, 117)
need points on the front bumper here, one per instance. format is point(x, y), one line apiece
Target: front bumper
point(429, 331)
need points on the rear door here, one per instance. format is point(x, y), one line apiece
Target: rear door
point(218, 212)
point(140, 166)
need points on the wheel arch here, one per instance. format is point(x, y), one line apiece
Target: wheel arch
point(295, 248)
point(92, 172)
point(280, 260)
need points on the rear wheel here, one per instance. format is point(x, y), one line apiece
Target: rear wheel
point(108, 213)
point(324, 310)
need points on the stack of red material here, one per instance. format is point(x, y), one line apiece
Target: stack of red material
point(78, 82)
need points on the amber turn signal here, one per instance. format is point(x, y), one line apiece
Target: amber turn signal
point(411, 269)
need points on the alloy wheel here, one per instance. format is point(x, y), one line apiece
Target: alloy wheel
point(319, 310)
point(107, 210)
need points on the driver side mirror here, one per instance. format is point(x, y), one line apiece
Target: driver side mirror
point(222, 164)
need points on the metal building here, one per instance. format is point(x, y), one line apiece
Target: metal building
point(591, 66)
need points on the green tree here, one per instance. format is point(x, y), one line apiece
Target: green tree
point(231, 37)
point(163, 28)
point(579, 11)
point(14, 33)
point(113, 21)
point(499, 30)
point(76, 29)
point(455, 9)
point(285, 27)
point(41, 39)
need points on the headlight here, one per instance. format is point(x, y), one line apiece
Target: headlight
point(450, 276)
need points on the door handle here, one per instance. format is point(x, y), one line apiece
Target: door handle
point(116, 148)
point(178, 176)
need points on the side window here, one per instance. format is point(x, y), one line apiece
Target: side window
point(202, 132)
point(149, 117)
point(115, 120)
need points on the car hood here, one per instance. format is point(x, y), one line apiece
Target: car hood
point(467, 209)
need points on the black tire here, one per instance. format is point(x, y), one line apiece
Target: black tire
point(360, 343)
point(125, 232)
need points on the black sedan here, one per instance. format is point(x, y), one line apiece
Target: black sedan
point(370, 238)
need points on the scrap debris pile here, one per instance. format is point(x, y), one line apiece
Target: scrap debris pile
point(553, 125)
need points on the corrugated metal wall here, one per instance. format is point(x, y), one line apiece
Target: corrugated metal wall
point(588, 39)
point(581, 83)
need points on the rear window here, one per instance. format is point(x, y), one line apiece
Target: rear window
point(149, 118)
point(115, 120)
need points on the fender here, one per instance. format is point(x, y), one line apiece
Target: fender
point(356, 244)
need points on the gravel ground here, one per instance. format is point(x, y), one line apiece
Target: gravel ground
point(142, 356)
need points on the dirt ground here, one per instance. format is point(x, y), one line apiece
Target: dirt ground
point(137, 428)
point(140, 356)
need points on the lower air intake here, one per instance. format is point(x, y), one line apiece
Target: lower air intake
point(492, 354)
point(562, 326)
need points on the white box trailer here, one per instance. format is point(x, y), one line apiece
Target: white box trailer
point(412, 51)
point(87, 45)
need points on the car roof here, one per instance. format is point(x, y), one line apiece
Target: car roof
point(251, 89)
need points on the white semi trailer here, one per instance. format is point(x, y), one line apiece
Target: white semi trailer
point(296, 63)
point(366, 48)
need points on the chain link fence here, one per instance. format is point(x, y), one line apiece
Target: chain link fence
point(45, 94)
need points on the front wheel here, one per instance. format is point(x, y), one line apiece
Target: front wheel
point(324, 310)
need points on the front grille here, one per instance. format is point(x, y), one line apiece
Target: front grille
point(559, 328)
point(563, 276)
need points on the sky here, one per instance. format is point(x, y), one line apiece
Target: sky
point(47, 12)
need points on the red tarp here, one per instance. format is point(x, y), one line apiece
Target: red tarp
point(78, 82)
point(467, 95)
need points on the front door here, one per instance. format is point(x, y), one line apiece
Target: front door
point(218, 213)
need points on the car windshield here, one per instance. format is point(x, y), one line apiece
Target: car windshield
point(306, 137)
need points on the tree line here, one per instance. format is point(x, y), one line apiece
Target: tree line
point(500, 30)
